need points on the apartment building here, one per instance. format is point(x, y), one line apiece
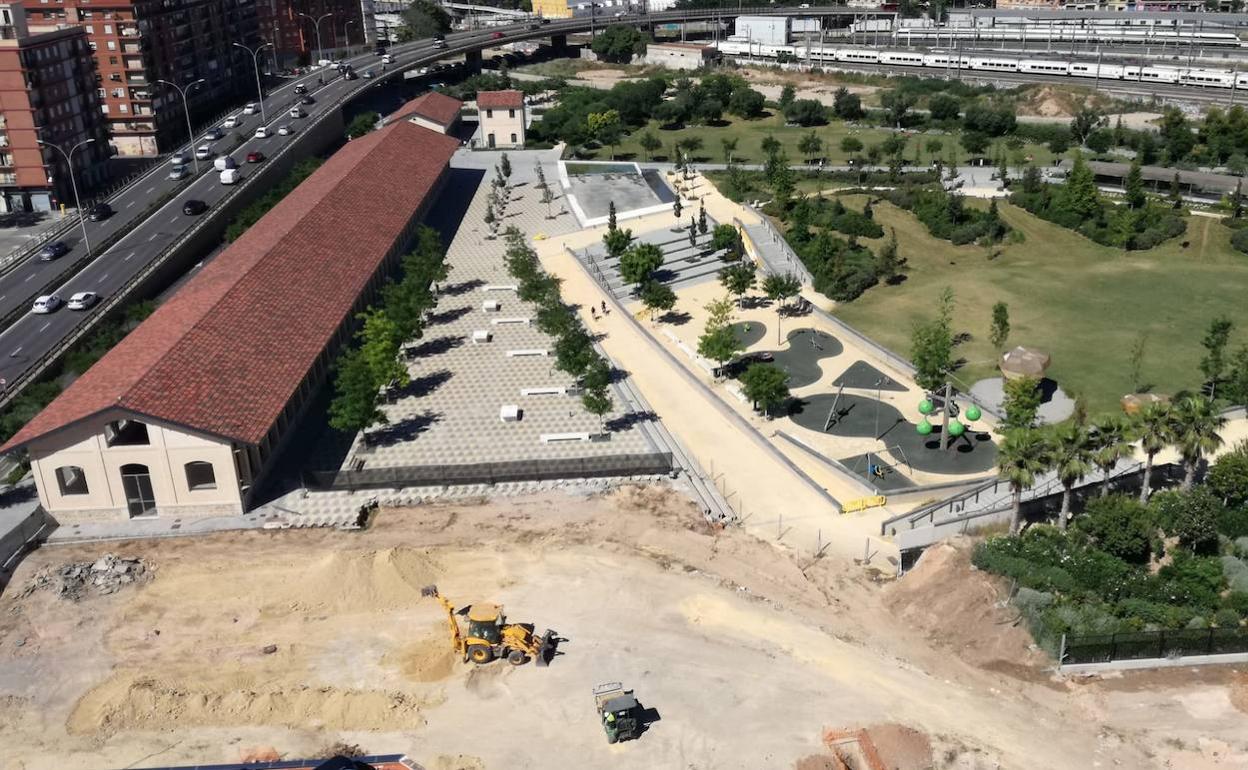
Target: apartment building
point(138, 42)
point(287, 24)
point(48, 92)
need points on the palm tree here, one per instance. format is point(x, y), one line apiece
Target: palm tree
point(1110, 445)
point(1154, 428)
point(1022, 455)
point(1196, 423)
point(1071, 451)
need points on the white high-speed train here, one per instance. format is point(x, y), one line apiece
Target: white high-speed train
point(1167, 74)
point(1059, 34)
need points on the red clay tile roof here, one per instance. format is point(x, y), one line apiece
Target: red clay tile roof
point(432, 105)
point(499, 100)
point(226, 352)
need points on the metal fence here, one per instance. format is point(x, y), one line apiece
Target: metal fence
point(1153, 645)
point(491, 473)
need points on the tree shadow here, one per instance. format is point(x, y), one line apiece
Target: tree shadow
point(435, 346)
point(447, 316)
point(463, 287)
point(424, 385)
point(403, 430)
point(961, 338)
point(626, 421)
point(676, 317)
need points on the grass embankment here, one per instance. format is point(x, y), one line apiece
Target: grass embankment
point(1085, 304)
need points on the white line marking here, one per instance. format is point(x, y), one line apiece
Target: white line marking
point(15, 352)
point(131, 203)
point(45, 326)
point(175, 220)
point(148, 191)
point(131, 254)
point(102, 279)
point(30, 278)
point(149, 240)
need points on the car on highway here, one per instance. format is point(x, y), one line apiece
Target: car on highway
point(307, 100)
point(231, 176)
point(179, 173)
point(301, 89)
point(297, 112)
point(284, 130)
point(223, 162)
point(249, 108)
point(179, 159)
point(231, 122)
point(495, 35)
point(213, 135)
point(83, 300)
point(439, 44)
point(255, 156)
point(368, 74)
point(99, 212)
point(380, 50)
point(262, 132)
point(194, 207)
point(52, 251)
point(387, 59)
point(203, 152)
point(48, 303)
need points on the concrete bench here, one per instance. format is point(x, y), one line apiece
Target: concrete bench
point(500, 321)
point(557, 391)
point(480, 335)
point(491, 306)
point(499, 287)
point(509, 413)
point(555, 438)
point(528, 352)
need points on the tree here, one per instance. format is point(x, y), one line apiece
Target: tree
point(766, 386)
point(719, 345)
point(1213, 365)
point(1237, 200)
point(1021, 402)
point(1086, 120)
point(379, 348)
point(574, 352)
point(897, 103)
point(693, 232)
point(611, 220)
point(424, 18)
point(1134, 186)
point(710, 111)
point(1176, 135)
point(504, 166)
point(1228, 478)
point(1192, 517)
point(739, 278)
point(724, 238)
point(851, 145)
point(788, 95)
point(975, 142)
point(597, 401)
point(845, 105)
point(931, 351)
point(1195, 426)
point(1121, 527)
point(771, 145)
point(1237, 383)
point(657, 296)
point(1110, 446)
point(1021, 456)
point(1079, 192)
point(1155, 428)
point(779, 289)
point(999, 332)
point(676, 207)
point(729, 146)
point(605, 128)
point(639, 262)
point(362, 124)
point(649, 143)
point(944, 107)
point(618, 44)
point(1070, 455)
point(889, 265)
point(934, 146)
point(702, 225)
point(617, 242)
point(806, 112)
point(746, 103)
point(1135, 357)
point(809, 146)
point(547, 198)
point(1176, 191)
point(354, 407)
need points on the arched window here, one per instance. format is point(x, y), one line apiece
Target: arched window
point(71, 480)
point(136, 481)
point(200, 475)
point(126, 433)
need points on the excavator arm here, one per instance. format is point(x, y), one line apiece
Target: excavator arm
point(457, 639)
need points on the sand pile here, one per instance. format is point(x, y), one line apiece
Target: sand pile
point(429, 660)
point(956, 607)
point(136, 702)
point(389, 578)
point(901, 747)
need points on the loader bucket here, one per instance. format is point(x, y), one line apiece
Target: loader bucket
point(430, 590)
point(545, 649)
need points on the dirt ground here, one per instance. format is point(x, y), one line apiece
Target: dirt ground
point(745, 655)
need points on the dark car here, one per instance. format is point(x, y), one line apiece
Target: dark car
point(301, 89)
point(99, 212)
point(380, 50)
point(52, 251)
point(495, 35)
point(194, 208)
point(307, 100)
point(255, 157)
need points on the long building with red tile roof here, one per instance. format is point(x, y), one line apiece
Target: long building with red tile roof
point(432, 109)
point(186, 413)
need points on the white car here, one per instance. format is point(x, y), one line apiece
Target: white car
point(249, 108)
point(83, 300)
point(179, 173)
point(48, 303)
point(203, 152)
point(179, 159)
point(297, 112)
point(284, 130)
point(262, 132)
point(231, 122)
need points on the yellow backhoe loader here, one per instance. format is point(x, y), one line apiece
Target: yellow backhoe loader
point(489, 636)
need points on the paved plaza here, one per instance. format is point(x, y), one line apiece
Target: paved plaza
point(450, 413)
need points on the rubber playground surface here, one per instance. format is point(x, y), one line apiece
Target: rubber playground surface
point(801, 356)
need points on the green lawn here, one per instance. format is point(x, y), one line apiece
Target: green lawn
point(750, 134)
point(1085, 304)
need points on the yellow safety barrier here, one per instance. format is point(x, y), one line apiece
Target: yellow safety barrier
point(863, 503)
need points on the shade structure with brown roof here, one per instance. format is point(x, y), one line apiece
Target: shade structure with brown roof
point(227, 352)
point(1134, 403)
point(433, 106)
point(500, 100)
point(1024, 362)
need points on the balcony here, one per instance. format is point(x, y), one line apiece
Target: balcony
point(126, 31)
point(8, 178)
point(130, 127)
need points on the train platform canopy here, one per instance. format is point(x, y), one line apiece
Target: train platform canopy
point(1200, 183)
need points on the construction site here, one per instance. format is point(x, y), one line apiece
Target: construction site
point(717, 649)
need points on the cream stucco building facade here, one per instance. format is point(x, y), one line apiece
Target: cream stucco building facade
point(502, 119)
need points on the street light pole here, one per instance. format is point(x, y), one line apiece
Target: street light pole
point(346, 33)
point(316, 24)
point(73, 181)
point(255, 59)
point(190, 132)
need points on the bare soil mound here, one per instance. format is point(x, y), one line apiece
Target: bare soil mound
point(956, 607)
point(901, 747)
point(356, 580)
point(1239, 692)
point(136, 702)
point(429, 660)
point(456, 762)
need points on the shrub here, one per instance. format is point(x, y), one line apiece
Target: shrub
point(1228, 477)
point(1226, 618)
point(1237, 601)
point(1194, 581)
point(1120, 526)
point(1240, 240)
point(1236, 572)
point(1191, 516)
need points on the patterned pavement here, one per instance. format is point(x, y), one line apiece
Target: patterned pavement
point(450, 414)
